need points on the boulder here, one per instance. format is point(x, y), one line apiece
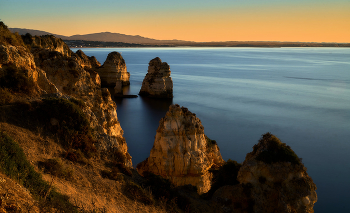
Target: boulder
point(157, 82)
point(181, 152)
point(114, 70)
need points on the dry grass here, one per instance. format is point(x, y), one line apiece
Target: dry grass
point(87, 189)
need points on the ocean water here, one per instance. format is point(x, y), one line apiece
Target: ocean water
point(302, 95)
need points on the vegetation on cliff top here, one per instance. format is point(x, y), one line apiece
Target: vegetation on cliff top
point(6, 37)
point(14, 163)
point(72, 125)
point(275, 151)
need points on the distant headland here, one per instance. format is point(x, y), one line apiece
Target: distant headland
point(108, 39)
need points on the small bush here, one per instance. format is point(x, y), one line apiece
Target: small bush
point(78, 102)
point(76, 156)
point(276, 151)
point(16, 80)
point(74, 128)
point(136, 192)
point(118, 156)
point(56, 168)
point(5, 97)
point(14, 163)
point(6, 37)
point(210, 142)
point(115, 171)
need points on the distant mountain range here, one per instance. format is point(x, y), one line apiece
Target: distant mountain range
point(107, 39)
point(103, 36)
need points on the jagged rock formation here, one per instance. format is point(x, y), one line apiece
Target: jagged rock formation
point(272, 179)
point(90, 64)
point(62, 71)
point(47, 42)
point(114, 71)
point(17, 61)
point(157, 82)
point(86, 61)
point(72, 79)
point(181, 152)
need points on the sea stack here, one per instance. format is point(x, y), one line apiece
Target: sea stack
point(157, 82)
point(182, 152)
point(113, 72)
point(272, 179)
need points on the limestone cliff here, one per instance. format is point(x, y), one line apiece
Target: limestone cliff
point(51, 68)
point(17, 62)
point(157, 82)
point(272, 179)
point(181, 151)
point(47, 42)
point(90, 64)
point(114, 71)
point(72, 79)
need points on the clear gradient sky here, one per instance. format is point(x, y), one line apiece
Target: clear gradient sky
point(192, 20)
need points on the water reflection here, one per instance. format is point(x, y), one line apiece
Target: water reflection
point(157, 104)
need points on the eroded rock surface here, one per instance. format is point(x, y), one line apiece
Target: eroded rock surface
point(114, 70)
point(157, 82)
point(272, 179)
point(17, 61)
point(181, 152)
point(51, 68)
point(47, 42)
point(72, 79)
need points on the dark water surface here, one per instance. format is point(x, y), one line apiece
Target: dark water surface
point(302, 95)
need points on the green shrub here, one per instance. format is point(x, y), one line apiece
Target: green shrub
point(136, 192)
point(16, 80)
point(74, 128)
point(56, 168)
point(13, 163)
point(5, 97)
point(116, 170)
point(276, 151)
point(6, 37)
point(210, 142)
point(78, 102)
point(76, 156)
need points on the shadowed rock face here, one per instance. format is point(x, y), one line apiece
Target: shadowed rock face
point(114, 70)
point(157, 82)
point(272, 179)
point(181, 152)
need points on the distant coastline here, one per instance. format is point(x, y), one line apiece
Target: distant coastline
point(102, 44)
point(110, 40)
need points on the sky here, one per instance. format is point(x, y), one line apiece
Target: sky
point(191, 20)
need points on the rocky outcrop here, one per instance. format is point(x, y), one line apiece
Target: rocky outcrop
point(114, 71)
point(17, 62)
point(47, 42)
point(181, 152)
point(86, 61)
point(272, 179)
point(90, 64)
point(72, 79)
point(51, 68)
point(157, 82)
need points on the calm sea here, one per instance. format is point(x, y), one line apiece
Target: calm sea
point(302, 95)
